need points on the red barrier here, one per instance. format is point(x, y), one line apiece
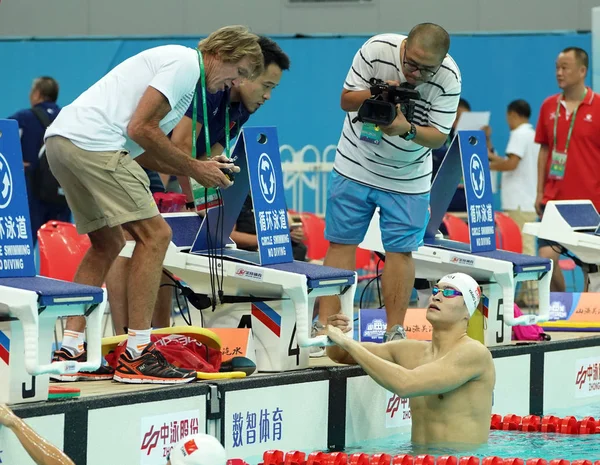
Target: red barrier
point(559, 462)
point(549, 424)
point(496, 422)
point(424, 460)
point(531, 423)
point(568, 425)
point(587, 426)
point(403, 459)
point(581, 462)
point(468, 461)
point(381, 459)
point(513, 461)
point(273, 457)
point(511, 422)
point(295, 457)
point(360, 459)
point(536, 462)
point(446, 460)
point(316, 458)
point(493, 460)
point(336, 458)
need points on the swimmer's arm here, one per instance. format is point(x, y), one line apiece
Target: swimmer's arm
point(40, 450)
point(444, 375)
point(397, 352)
point(145, 131)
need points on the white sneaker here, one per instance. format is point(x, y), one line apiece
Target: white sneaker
point(395, 334)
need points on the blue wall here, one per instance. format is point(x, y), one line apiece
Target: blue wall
point(495, 68)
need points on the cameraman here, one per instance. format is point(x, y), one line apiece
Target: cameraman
point(390, 167)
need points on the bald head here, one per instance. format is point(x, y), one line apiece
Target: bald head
point(431, 38)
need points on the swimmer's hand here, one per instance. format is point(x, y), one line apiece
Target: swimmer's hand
point(339, 320)
point(335, 335)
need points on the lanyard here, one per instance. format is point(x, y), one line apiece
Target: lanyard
point(556, 115)
point(205, 115)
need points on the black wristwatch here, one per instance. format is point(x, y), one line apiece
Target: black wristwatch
point(190, 204)
point(411, 134)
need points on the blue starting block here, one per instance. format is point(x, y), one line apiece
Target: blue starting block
point(30, 304)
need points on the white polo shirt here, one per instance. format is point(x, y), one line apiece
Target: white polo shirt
point(97, 120)
point(395, 164)
point(519, 187)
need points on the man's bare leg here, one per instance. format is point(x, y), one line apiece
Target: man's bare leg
point(397, 282)
point(152, 238)
point(116, 287)
point(106, 245)
point(162, 310)
point(338, 256)
point(557, 282)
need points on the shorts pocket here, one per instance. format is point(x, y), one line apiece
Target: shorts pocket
point(132, 179)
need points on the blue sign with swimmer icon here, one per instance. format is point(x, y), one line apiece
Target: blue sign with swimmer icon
point(478, 189)
point(466, 158)
point(268, 195)
point(16, 247)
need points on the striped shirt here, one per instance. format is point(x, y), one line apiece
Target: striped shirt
point(395, 164)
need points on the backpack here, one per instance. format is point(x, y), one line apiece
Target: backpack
point(45, 185)
point(528, 333)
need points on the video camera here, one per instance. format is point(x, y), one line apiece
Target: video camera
point(380, 109)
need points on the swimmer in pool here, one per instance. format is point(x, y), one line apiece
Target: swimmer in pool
point(41, 451)
point(449, 380)
point(198, 449)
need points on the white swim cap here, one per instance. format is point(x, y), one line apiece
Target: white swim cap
point(467, 286)
point(198, 449)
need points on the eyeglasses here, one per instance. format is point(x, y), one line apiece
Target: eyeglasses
point(424, 72)
point(448, 292)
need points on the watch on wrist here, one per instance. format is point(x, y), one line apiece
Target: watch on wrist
point(411, 134)
point(190, 204)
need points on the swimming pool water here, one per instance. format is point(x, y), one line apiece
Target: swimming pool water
point(504, 444)
point(508, 444)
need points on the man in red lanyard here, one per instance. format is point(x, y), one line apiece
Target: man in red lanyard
point(568, 132)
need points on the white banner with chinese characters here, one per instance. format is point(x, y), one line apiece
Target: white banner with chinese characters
point(587, 377)
point(288, 417)
point(143, 434)
point(161, 432)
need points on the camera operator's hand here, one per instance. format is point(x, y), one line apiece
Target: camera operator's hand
point(399, 126)
point(209, 174)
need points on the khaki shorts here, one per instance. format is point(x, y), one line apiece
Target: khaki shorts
point(102, 188)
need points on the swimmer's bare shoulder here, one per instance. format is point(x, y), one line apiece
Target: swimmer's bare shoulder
point(405, 352)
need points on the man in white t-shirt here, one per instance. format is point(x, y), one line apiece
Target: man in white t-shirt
point(91, 148)
point(519, 170)
point(390, 167)
point(519, 181)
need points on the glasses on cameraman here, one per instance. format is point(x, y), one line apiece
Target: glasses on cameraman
point(424, 72)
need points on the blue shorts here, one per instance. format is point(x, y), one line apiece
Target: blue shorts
point(350, 207)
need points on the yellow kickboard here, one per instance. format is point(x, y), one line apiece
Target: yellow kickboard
point(202, 335)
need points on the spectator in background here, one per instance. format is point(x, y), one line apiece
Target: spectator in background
point(519, 169)
point(568, 132)
point(459, 201)
point(519, 179)
point(32, 126)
